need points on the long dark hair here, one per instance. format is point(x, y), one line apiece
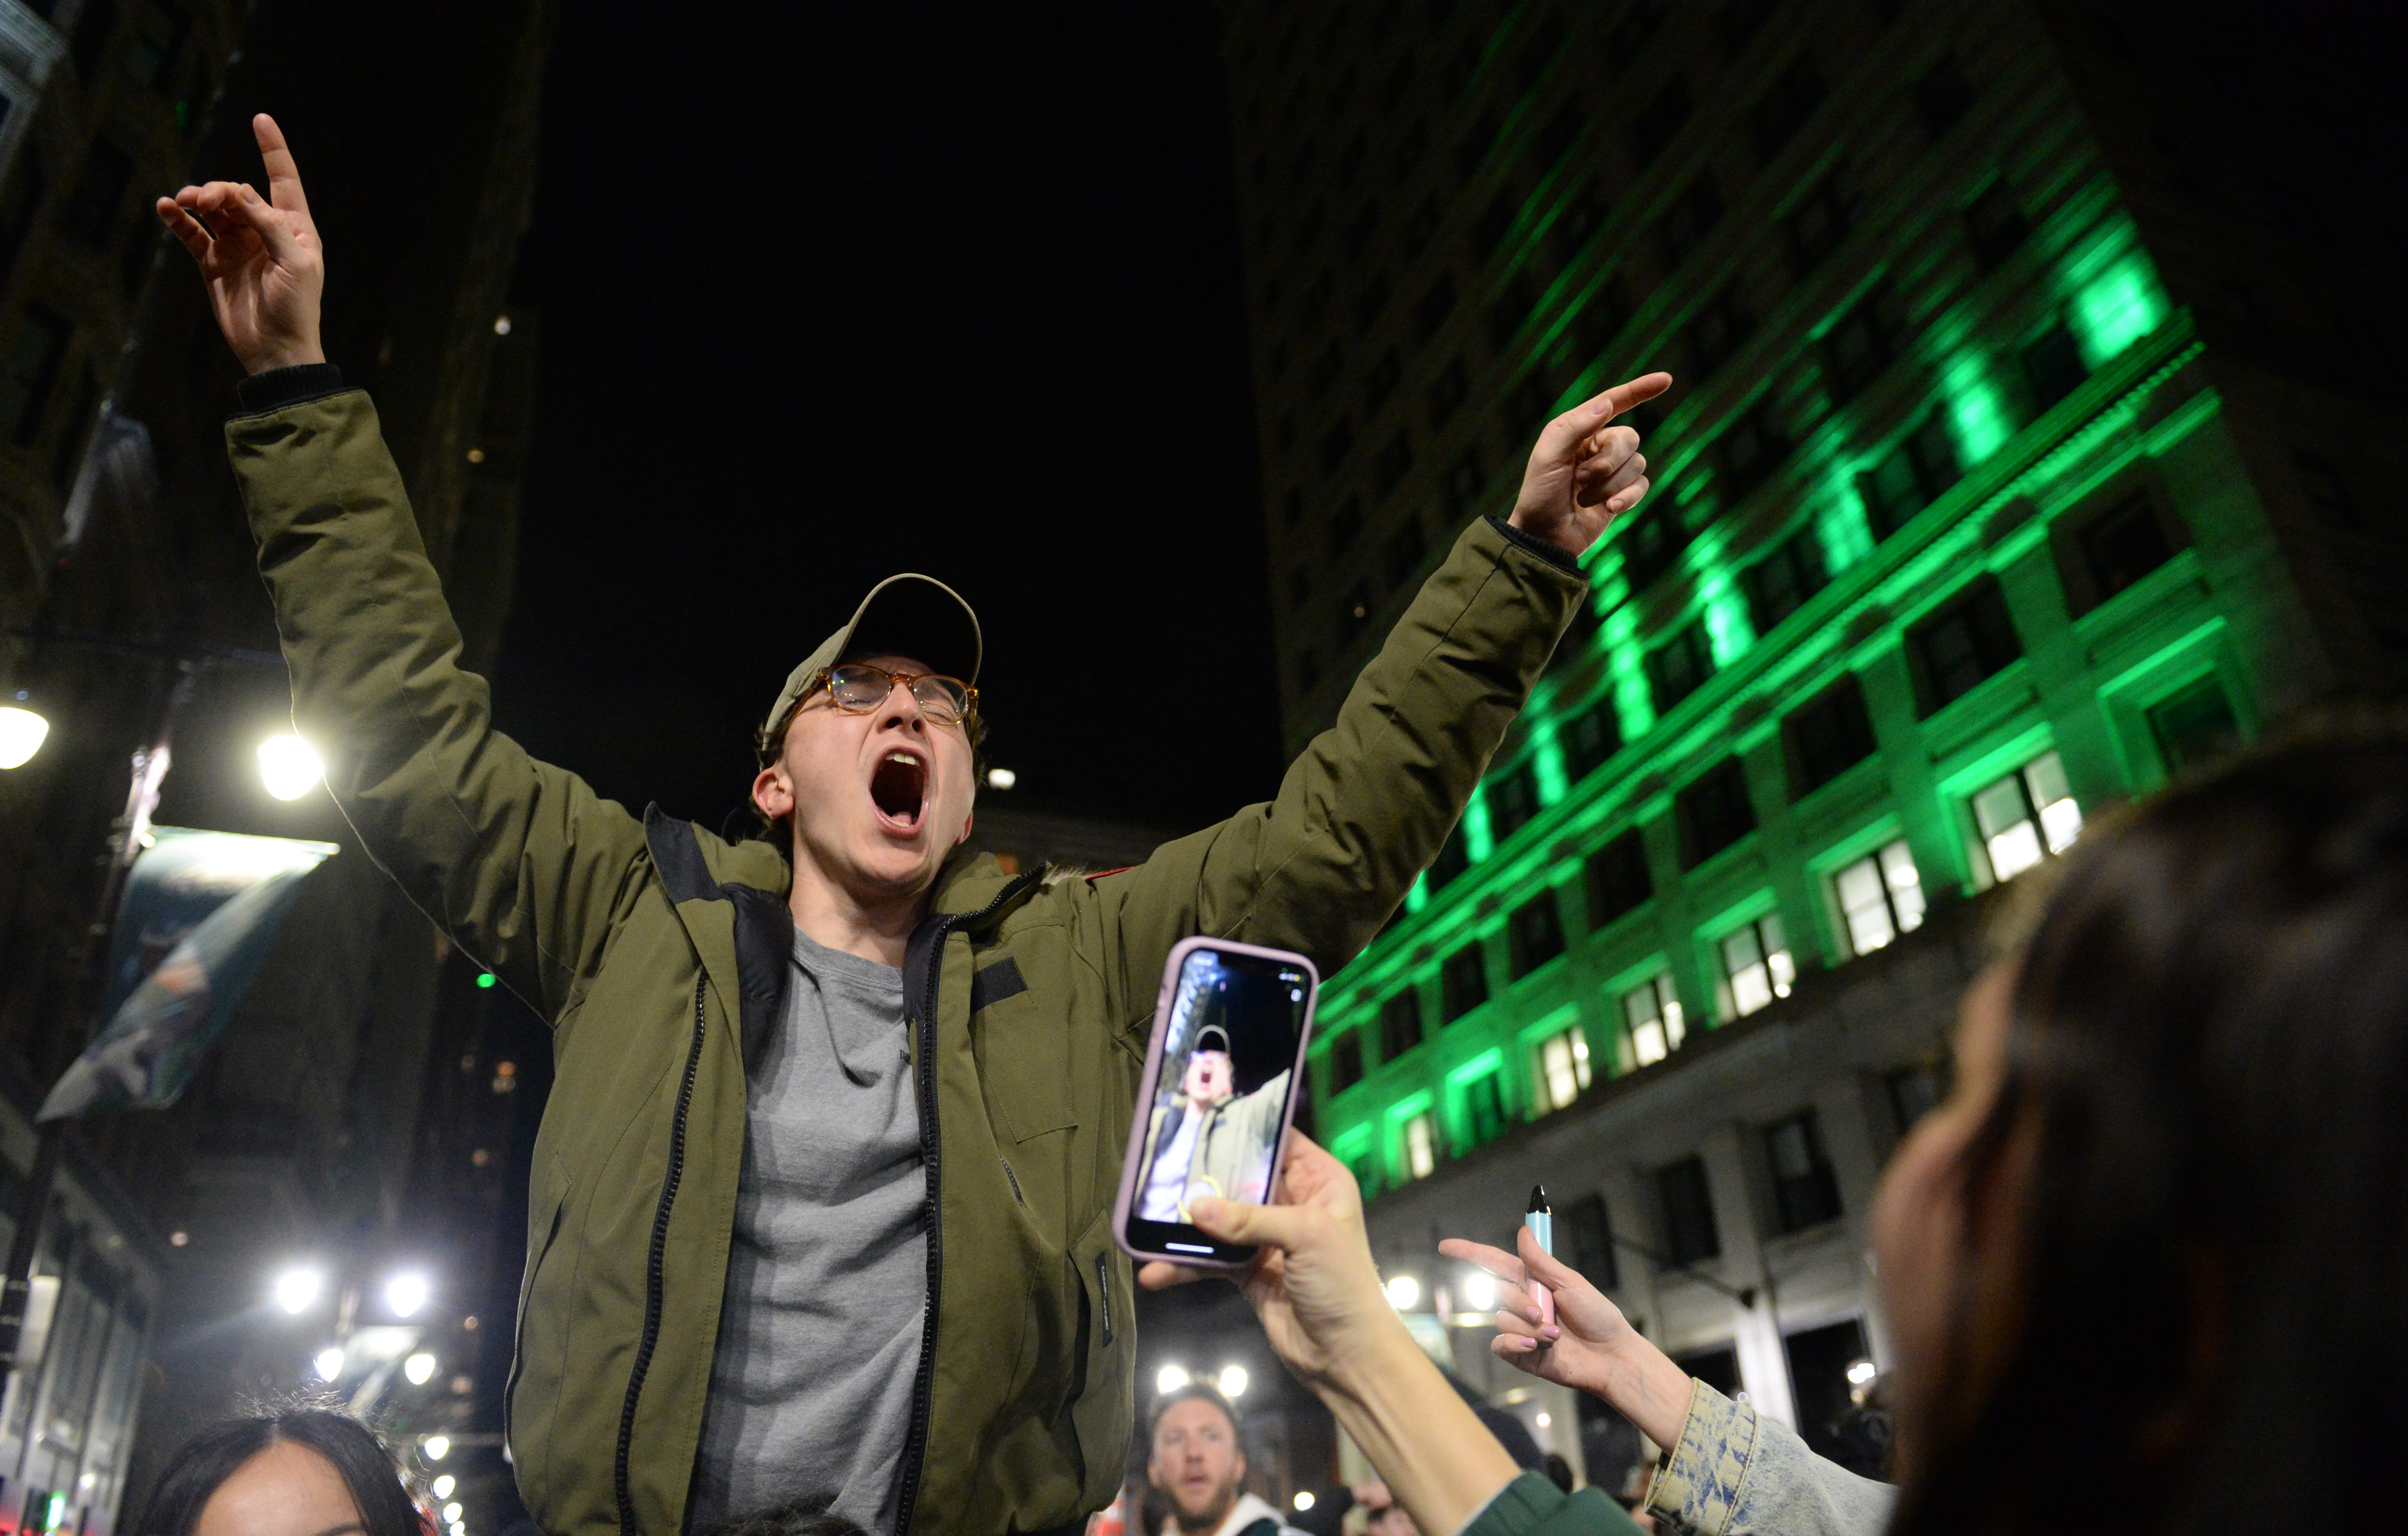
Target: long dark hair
point(2208, 1064)
point(204, 1462)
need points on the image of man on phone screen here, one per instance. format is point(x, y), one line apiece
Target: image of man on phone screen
point(1209, 1139)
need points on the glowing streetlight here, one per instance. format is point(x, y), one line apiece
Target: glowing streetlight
point(1170, 1379)
point(436, 1447)
point(452, 1512)
point(997, 778)
point(297, 1289)
point(1861, 1373)
point(1233, 1382)
point(1404, 1292)
point(459, 1527)
point(1480, 1292)
point(442, 1488)
point(1303, 1499)
point(405, 1293)
point(289, 766)
point(22, 733)
point(419, 1368)
point(330, 1362)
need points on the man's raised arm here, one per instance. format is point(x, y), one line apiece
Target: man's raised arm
point(1364, 809)
point(517, 859)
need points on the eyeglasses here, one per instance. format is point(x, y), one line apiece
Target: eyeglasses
point(857, 688)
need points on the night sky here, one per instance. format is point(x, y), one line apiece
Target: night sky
point(853, 290)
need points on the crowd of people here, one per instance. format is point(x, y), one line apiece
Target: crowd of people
point(2143, 1268)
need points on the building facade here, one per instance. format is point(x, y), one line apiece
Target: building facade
point(1951, 545)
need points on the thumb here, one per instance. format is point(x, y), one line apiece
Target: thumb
point(262, 217)
point(1237, 1221)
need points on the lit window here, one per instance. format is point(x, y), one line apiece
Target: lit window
point(1652, 1014)
point(1880, 896)
point(1421, 1147)
point(2026, 816)
point(1755, 966)
point(1563, 1066)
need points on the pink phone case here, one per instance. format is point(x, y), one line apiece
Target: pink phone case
point(1148, 1081)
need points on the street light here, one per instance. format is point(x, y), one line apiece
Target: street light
point(1303, 1499)
point(442, 1488)
point(330, 1362)
point(405, 1293)
point(289, 766)
point(452, 1512)
point(1861, 1373)
point(22, 731)
point(436, 1447)
point(1479, 1291)
point(1233, 1382)
point(1170, 1379)
point(296, 1290)
point(1404, 1292)
point(999, 778)
point(419, 1368)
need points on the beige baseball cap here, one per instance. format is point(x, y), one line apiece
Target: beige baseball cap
point(907, 615)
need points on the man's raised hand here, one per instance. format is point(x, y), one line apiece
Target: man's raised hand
point(259, 256)
point(1584, 474)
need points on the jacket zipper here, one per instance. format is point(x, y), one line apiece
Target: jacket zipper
point(915, 1443)
point(1104, 1290)
point(1013, 1179)
point(653, 1263)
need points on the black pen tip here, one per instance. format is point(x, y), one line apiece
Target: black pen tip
point(1538, 1197)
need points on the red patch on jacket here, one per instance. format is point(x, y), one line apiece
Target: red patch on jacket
point(1101, 872)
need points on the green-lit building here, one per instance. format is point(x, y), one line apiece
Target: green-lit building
point(1951, 545)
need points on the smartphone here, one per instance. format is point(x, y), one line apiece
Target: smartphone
point(1219, 1091)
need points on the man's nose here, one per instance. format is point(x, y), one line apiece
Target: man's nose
point(902, 710)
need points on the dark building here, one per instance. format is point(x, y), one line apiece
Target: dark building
point(1966, 525)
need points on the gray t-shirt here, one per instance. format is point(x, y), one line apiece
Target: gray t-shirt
point(828, 1281)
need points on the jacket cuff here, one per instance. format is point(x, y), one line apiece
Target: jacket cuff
point(1698, 1484)
point(1537, 547)
point(281, 387)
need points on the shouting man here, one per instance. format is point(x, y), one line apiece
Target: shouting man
point(821, 1204)
point(1218, 1141)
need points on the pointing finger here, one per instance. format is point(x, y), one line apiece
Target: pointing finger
point(1497, 1261)
point(284, 176)
point(1638, 391)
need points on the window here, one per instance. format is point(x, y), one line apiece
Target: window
point(30, 370)
point(1534, 936)
point(1857, 351)
point(1657, 125)
point(1419, 1136)
point(2121, 545)
point(1805, 1191)
point(2194, 727)
point(2025, 817)
point(1913, 1092)
point(1971, 639)
point(1563, 1067)
point(1785, 107)
point(1462, 982)
point(1556, 138)
point(1326, 366)
point(1715, 812)
point(1822, 1362)
point(1778, 585)
point(1483, 1109)
point(1995, 224)
point(1589, 737)
point(1585, 213)
point(1880, 896)
point(1588, 1240)
point(1407, 546)
point(1601, 317)
point(1400, 1023)
point(1436, 303)
point(1737, 21)
point(1448, 391)
point(1654, 541)
point(1910, 477)
point(1751, 448)
point(1816, 226)
point(1691, 217)
point(20, 200)
point(1617, 879)
point(2053, 367)
point(1345, 1062)
point(92, 33)
point(1359, 230)
point(1335, 444)
point(1381, 382)
point(1394, 464)
point(1718, 331)
point(1676, 667)
point(1345, 526)
point(1452, 859)
point(1488, 230)
point(89, 210)
point(1465, 478)
point(1511, 307)
point(1513, 800)
point(1574, 645)
point(1943, 97)
point(1756, 967)
point(1652, 1013)
point(1689, 1232)
point(1827, 736)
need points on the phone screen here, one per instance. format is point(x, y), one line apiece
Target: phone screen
point(1218, 1105)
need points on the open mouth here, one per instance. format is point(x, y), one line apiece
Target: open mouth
point(899, 787)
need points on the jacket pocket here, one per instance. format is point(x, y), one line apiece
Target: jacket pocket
point(543, 1229)
point(1105, 1410)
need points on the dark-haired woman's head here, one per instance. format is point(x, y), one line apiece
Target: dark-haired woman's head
point(2156, 1241)
point(291, 1471)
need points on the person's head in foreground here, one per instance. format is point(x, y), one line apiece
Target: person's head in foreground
point(2157, 1237)
point(868, 759)
point(1211, 1075)
point(289, 1472)
point(1195, 1461)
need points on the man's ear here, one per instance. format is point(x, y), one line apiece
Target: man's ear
point(967, 822)
point(773, 794)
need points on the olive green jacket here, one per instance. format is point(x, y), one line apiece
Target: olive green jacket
point(657, 953)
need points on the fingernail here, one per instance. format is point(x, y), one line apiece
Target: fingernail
point(1553, 1332)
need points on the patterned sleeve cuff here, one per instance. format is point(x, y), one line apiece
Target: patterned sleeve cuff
point(281, 387)
point(1540, 548)
point(1698, 1485)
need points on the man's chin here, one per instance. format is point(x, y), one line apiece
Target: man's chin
point(1209, 1513)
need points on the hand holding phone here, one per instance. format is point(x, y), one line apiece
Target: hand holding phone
point(1218, 1092)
